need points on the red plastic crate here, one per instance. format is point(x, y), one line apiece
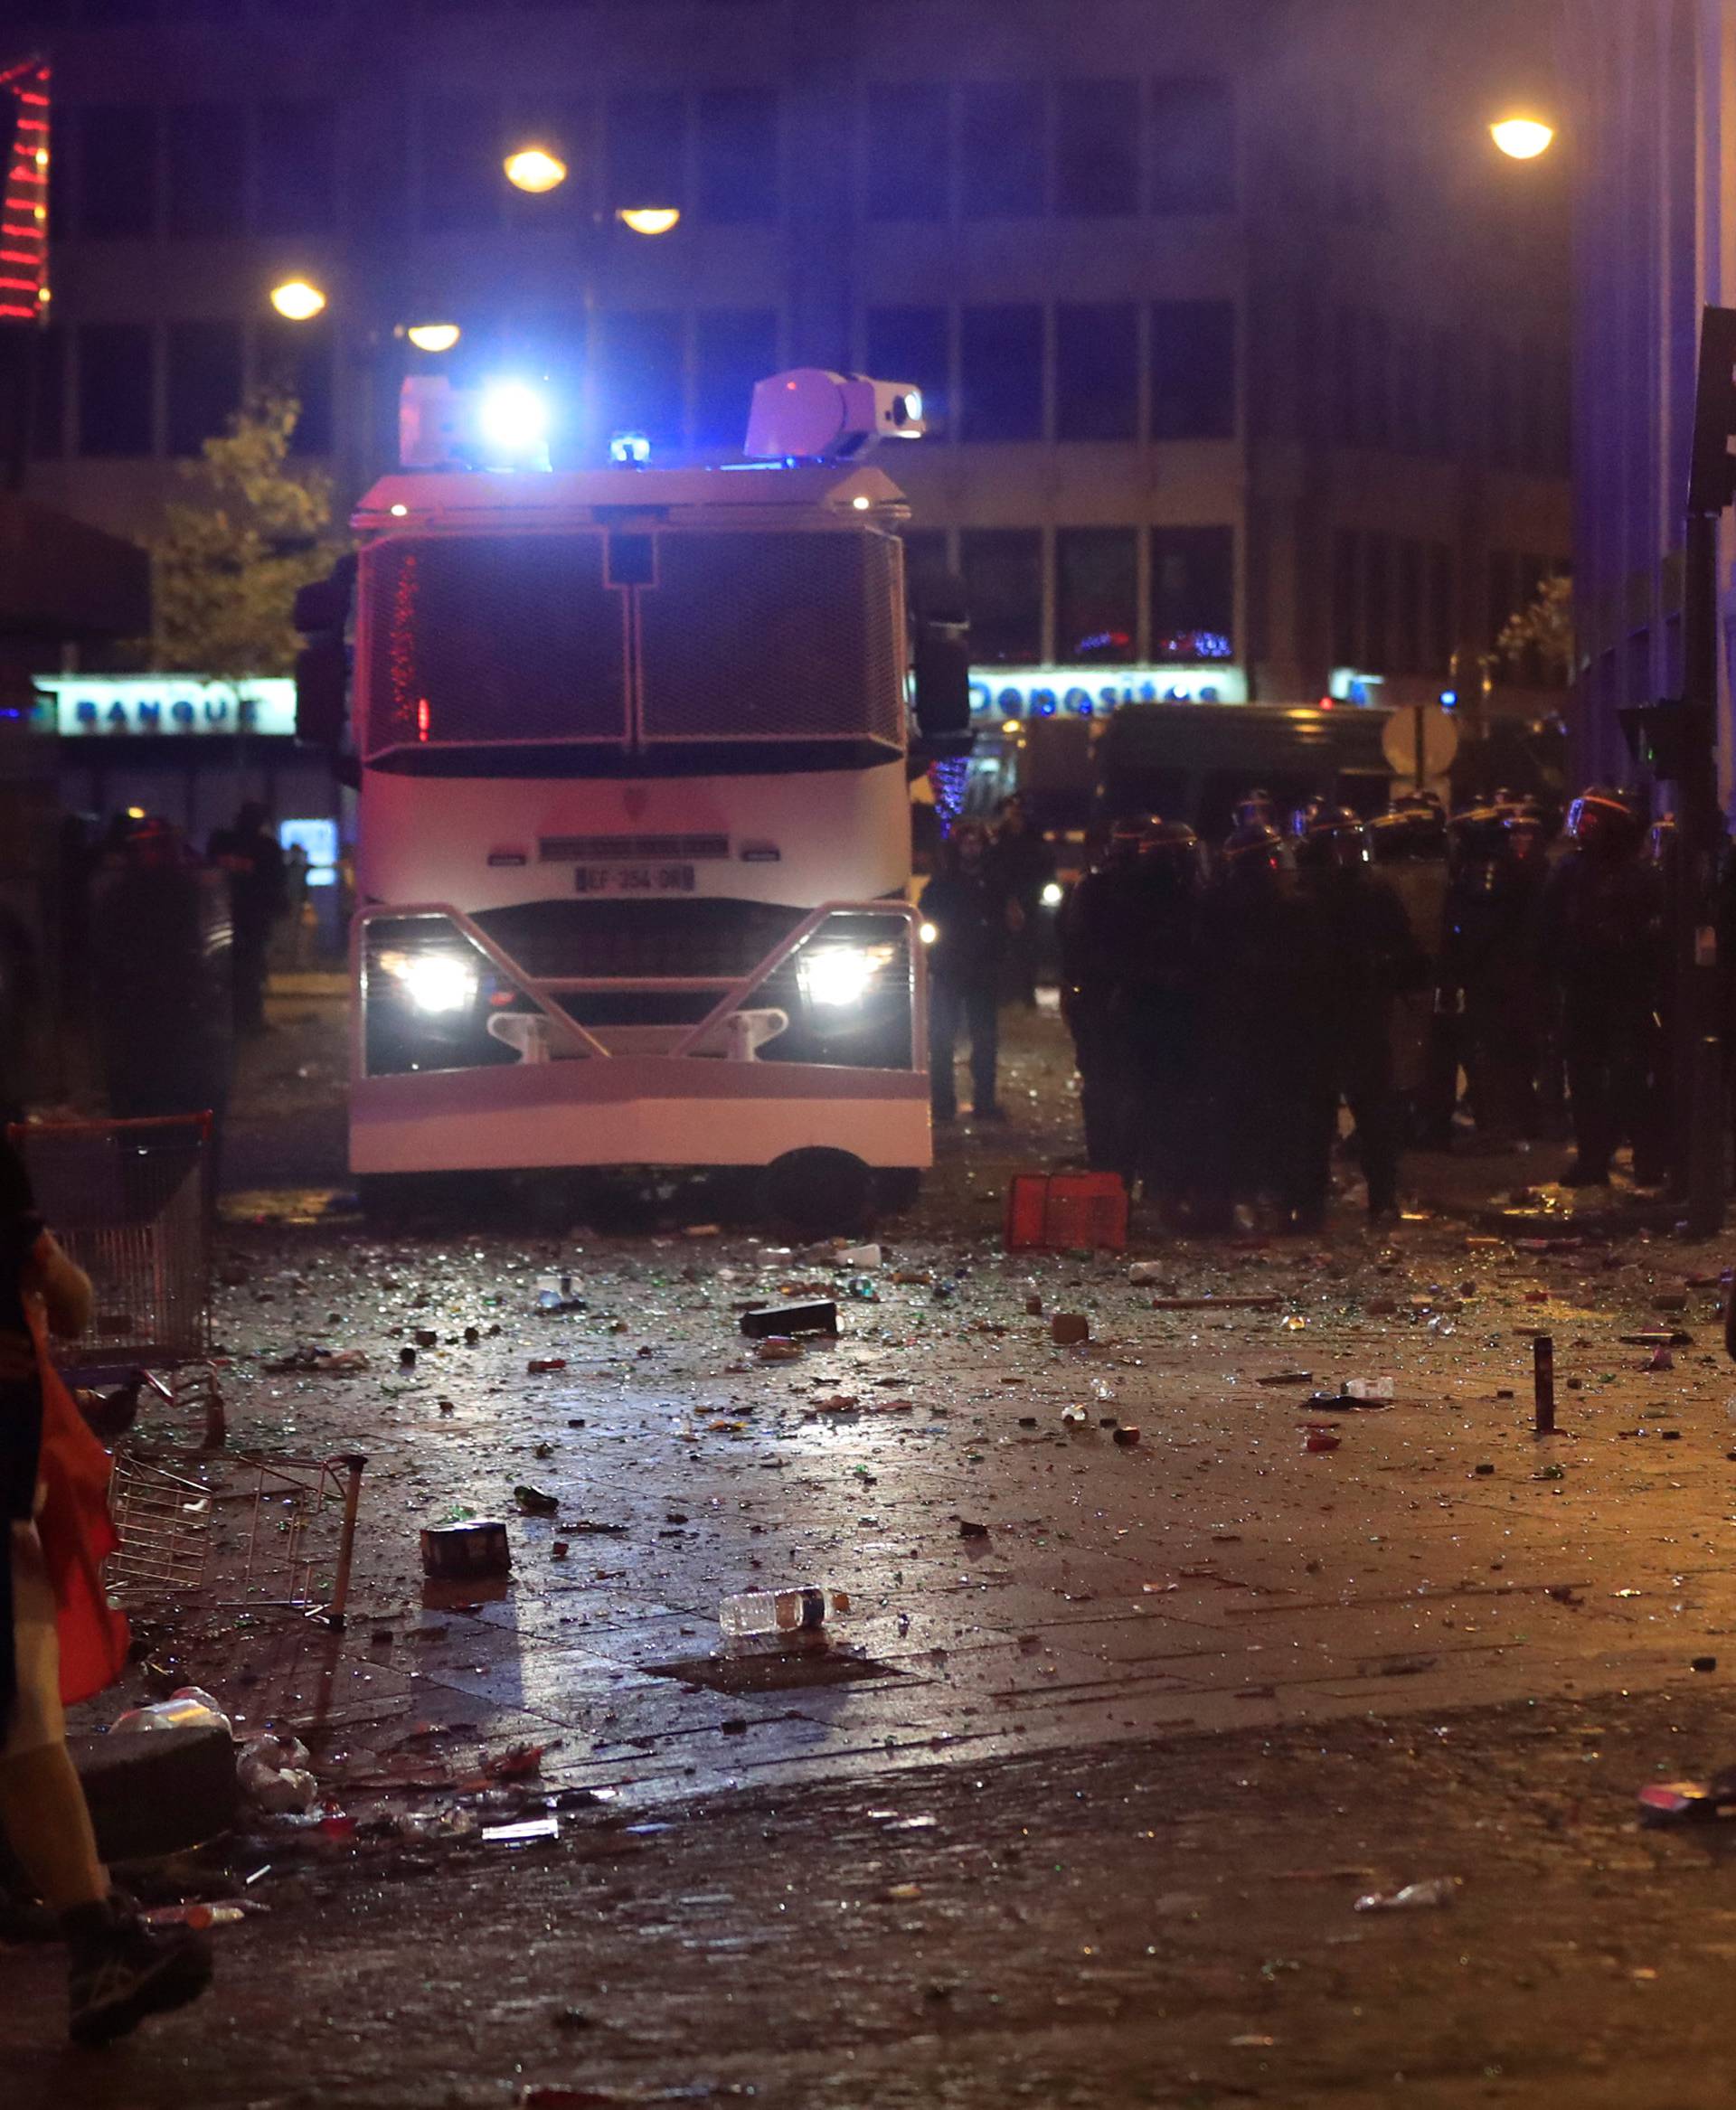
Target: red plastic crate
point(1064, 1211)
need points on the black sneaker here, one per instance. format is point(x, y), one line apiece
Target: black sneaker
point(123, 1970)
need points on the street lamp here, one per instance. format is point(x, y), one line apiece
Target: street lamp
point(297, 301)
point(1521, 138)
point(650, 219)
point(433, 336)
point(535, 170)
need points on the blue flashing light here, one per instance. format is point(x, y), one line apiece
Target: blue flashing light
point(629, 450)
point(1449, 698)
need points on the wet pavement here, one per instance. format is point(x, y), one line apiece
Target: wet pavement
point(1040, 1603)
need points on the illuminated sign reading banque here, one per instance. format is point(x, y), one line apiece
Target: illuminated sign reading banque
point(87, 706)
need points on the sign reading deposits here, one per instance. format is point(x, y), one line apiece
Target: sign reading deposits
point(86, 706)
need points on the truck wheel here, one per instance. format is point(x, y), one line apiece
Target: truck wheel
point(400, 1197)
point(814, 1193)
point(897, 1188)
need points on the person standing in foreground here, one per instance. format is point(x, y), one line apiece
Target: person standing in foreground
point(60, 1641)
point(973, 916)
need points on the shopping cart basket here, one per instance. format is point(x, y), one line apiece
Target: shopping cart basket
point(130, 1201)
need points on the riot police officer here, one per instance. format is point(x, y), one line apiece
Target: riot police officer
point(1156, 1009)
point(1408, 844)
point(1261, 1010)
point(1367, 954)
point(1600, 938)
point(1096, 935)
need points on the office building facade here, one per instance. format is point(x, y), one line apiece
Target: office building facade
point(1246, 357)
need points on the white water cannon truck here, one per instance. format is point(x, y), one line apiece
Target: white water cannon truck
point(632, 748)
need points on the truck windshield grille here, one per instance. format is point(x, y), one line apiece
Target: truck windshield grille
point(492, 638)
point(772, 637)
point(750, 639)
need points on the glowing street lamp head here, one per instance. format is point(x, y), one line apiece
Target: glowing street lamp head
point(650, 219)
point(535, 170)
point(1523, 138)
point(297, 301)
point(514, 420)
point(433, 336)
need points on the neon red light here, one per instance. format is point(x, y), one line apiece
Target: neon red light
point(421, 717)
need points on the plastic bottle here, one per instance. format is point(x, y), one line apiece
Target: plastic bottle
point(772, 1611)
point(189, 1709)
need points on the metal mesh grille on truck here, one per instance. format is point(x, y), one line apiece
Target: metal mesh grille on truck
point(484, 639)
point(775, 635)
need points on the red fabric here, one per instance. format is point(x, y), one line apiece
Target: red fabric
point(77, 1536)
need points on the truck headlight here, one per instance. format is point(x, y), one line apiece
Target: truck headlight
point(1051, 895)
point(928, 933)
point(433, 982)
point(838, 977)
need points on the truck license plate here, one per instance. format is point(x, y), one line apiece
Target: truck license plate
point(634, 879)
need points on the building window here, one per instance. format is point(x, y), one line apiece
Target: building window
point(1443, 606)
point(908, 156)
point(207, 172)
point(1097, 595)
point(1378, 584)
point(647, 150)
point(1003, 575)
point(737, 154)
point(909, 344)
point(462, 185)
point(734, 348)
point(1193, 594)
point(376, 188)
point(642, 376)
point(1445, 353)
point(296, 358)
point(1375, 405)
point(117, 144)
point(1194, 370)
point(1408, 650)
point(1501, 399)
point(1408, 390)
point(926, 562)
point(48, 396)
point(1001, 373)
point(297, 156)
point(205, 381)
point(1097, 372)
point(116, 385)
point(1507, 593)
point(1096, 148)
point(1346, 598)
point(1193, 146)
point(1003, 166)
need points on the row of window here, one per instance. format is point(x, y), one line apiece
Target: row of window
point(131, 388)
point(683, 379)
point(1114, 372)
point(1115, 596)
point(204, 171)
point(1395, 602)
point(215, 171)
point(1120, 370)
point(1457, 394)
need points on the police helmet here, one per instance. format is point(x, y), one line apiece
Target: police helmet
point(1329, 834)
point(1252, 846)
point(1258, 809)
point(1173, 848)
point(1127, 836)
point(1601, 821)
point(1410, 828)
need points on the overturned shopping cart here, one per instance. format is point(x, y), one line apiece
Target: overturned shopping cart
point(131, 1203)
